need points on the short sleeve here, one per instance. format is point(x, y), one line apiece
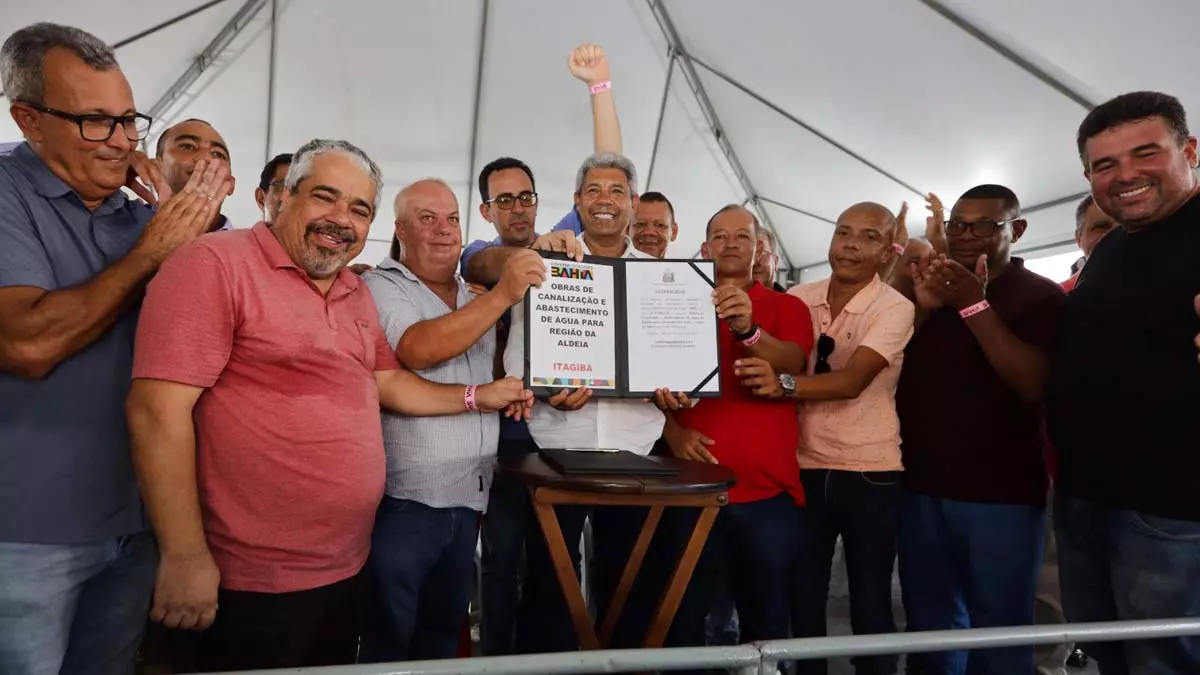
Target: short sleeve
point(23, 259)
point(186, 328)
point(397, 311)
point(792, 321)
point(471, 249)
point(570, 222)
point(385, 353)
point(890, 329)
point(514, 351)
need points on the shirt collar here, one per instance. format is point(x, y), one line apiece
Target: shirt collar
point(47, 183)
point(858, 304)
point(278, 258)
point(630, 251)
point(389, 264)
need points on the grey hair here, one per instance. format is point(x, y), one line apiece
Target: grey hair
point(23, 58)
point(400, 205)
point(607, 160)
point(302, 162)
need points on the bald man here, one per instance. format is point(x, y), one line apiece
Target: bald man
point(439, 470)
point(849, 447)
point(181, 146)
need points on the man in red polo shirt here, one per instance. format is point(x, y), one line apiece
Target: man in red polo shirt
point(754, 539)
point(259, 371)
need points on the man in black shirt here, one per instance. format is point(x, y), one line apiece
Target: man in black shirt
point(1123, 399)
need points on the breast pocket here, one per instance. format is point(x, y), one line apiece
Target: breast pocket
point(366, 339)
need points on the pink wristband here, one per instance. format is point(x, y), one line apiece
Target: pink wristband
point(753, 339)
point(973, 309)
point(600, 86)
point(470, 398)
point(898, 248)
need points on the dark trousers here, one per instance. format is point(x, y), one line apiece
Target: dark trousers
point(1122, 565)
point(507, 525)
point(254, 631)
point(421, 568)
point(864, 509)
point(752, 547)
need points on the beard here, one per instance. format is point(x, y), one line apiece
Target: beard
point(320, 262)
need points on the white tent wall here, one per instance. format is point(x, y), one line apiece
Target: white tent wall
point(821, 105)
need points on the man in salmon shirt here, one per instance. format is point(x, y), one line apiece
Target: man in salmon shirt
point(849, 447)
point(259, 371)
point(754, 539)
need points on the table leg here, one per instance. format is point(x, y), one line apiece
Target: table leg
point(669, 604)
point(566, 573)
point(632, 567)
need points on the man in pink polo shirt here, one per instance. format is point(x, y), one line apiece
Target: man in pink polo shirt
point(850, 437)
point(259, 371)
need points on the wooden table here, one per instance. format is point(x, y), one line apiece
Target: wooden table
point(697, 485)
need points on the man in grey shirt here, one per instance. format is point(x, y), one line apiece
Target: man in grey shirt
point(439, 470)
point(77, 562)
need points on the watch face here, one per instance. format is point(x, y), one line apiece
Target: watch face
point(787, 382)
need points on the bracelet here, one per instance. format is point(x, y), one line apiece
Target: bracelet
point(973, 309)
point(754, 338)
point(898, 248)
point(470, 398)
point(600, 86)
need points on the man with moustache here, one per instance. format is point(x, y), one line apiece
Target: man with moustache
point(178, 149)
point(269, 192)
point(1126, 513)
point(260, 367)
point(439, 469)
point(1091, 224)
point(850, 437)
point(969, 399)
point(752, 546)
point(654, 225)
point(76, 558)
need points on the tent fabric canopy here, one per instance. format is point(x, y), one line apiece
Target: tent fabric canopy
point(797, 109)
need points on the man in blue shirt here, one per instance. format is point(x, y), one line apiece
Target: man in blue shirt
point(510, 200)
point(77, 560)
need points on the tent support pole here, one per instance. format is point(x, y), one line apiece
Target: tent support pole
point(662, 113)
point(471, 161)
point(710, 115)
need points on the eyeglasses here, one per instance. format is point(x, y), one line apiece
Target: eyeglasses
point(825, 345)
point(507, 201)
point(981, 229)
point(99, 128)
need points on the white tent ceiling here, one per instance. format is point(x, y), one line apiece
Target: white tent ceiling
point(816, 105)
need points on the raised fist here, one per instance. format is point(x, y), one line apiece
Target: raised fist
point(588, 63)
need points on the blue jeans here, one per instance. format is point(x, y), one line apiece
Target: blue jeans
point(864, 508)
point(1118, 565)
point(421, 567)
point(75, 608)
point(969, 565)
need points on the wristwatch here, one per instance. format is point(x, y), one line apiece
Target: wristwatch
point(788, 384)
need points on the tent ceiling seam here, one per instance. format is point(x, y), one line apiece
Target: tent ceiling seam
point(471, 160)
point(1008, 53)
point(658, 8)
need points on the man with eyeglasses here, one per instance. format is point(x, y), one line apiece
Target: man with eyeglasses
point(181, 146)
point(510, 202)
point(849, 446)
point(77, 560)
point(753, 544)
point(269, 193)
point(973, 517)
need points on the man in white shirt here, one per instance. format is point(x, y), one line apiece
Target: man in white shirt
point(606, 197)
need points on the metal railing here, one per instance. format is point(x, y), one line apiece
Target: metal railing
point(763, 658)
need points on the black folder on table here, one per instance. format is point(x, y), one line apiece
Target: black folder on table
point(623, 463)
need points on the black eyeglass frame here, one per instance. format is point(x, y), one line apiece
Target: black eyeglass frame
point(138, 119)
point(527, 196)
point(981, 229)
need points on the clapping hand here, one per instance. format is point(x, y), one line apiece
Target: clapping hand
point(939, 281)
point(935, 224)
